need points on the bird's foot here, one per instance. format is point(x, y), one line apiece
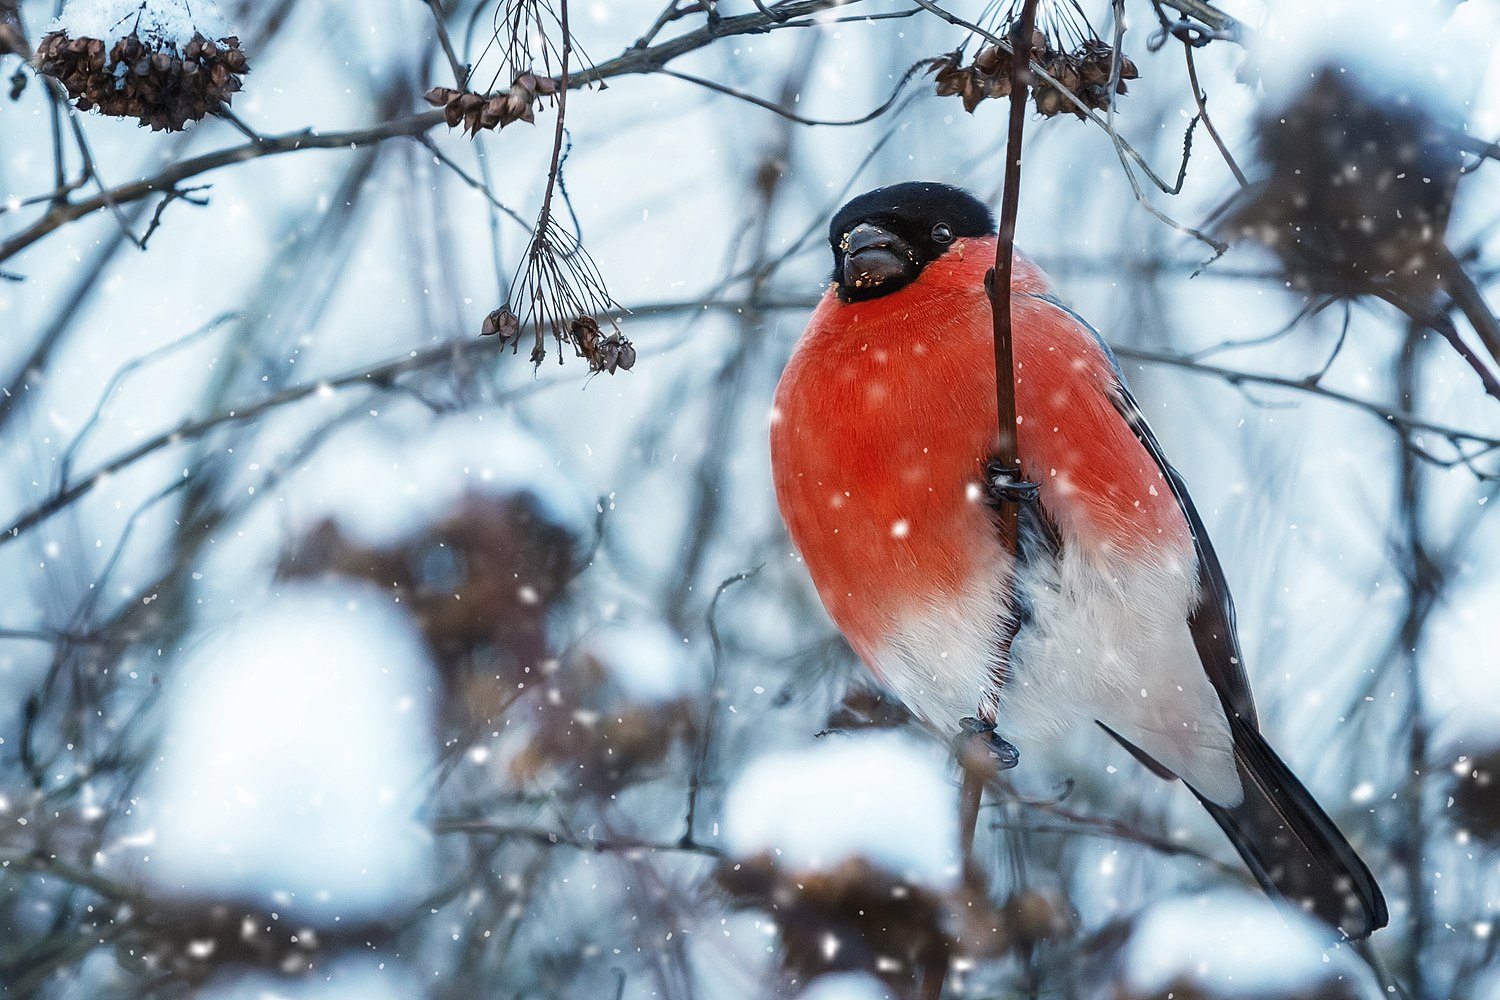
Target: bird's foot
point(1000, 752)
point(1006, 485)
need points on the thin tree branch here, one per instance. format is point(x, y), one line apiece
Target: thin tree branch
point(1202, 101)
point(376, 376)
point(632, 61)
point(791, 115)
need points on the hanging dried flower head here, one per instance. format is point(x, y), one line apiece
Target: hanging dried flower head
point(1356, 188)
point(474, 112)
point(559, 290)
point(1063, 43)
point(164, 62)
point(527, 44)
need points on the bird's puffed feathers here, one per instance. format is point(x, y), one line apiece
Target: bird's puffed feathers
point(883, 422)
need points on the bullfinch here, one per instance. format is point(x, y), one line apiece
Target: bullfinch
point(1114, 606)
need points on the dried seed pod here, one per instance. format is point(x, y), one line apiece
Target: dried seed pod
point(153, 74)
point(1064, 69)
point(951, 80)
point(1048, 101)
point(613, 353)
point(992, 60)
point(1083, 73)
point(604, 353)
point(559, 290)
point(1039, 46)
point(1095, 97)
point(502, 323)
point(975, 90)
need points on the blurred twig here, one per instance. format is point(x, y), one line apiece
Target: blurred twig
point(611, 845)
point(375, 376)
point(1403, 421)
point(715, 695)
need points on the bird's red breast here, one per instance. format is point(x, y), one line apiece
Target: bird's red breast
point(885, 416)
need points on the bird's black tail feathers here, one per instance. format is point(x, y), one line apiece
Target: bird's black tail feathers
point(1291, 846)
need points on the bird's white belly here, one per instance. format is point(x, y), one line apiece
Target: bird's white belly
point(1106, 639)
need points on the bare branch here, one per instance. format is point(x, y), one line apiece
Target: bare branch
point(632, 61)
point(375, 376)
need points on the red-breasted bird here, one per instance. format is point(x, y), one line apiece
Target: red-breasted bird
point(882, 435)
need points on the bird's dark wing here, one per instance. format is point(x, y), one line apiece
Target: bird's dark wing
point(1288, 842)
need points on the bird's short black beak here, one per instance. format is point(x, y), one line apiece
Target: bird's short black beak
point(875, 262)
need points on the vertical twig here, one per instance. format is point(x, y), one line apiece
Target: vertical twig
point(1007, 454)
point(1422, 587)
point(460, 72)
point(1005, 381)
point(545, 220)
point(696, 780)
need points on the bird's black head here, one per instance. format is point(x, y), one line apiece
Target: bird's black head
point(883, 239)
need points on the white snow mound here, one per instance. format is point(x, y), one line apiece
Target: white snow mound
point(295, 747)
point(846, 986)
point(1237, 944)
point(882, 797)
point(644, 659)
point(382, 489)
point(161, 22)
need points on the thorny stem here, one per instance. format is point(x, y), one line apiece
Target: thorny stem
point(1202, 101)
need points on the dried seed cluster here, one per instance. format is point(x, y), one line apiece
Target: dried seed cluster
point(192, 939)
point(594, 733)
point(147, 79)
point(1354, 189)
point(1475, 796)
point(558, 290)
point(1083, 72)
point(479, 580)
point(604, 352)
point(495, 111)
point(883, 924)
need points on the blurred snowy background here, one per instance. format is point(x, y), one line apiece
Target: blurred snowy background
point(343, 655)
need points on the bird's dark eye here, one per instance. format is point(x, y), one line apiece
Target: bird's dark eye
point(941, 233)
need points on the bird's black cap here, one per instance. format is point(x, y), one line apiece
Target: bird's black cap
point(883, 239)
